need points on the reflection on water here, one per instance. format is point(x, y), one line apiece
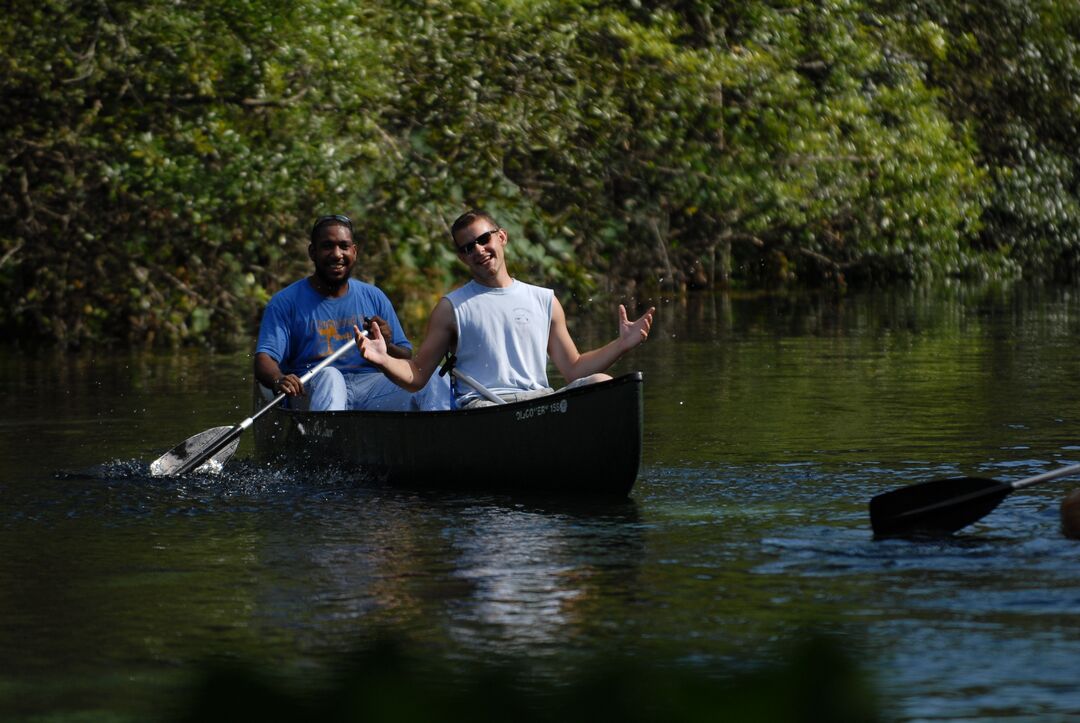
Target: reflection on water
point(533, 575)
point(770, 423)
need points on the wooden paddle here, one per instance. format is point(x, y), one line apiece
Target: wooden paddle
point(214, 447)
point(943, 506)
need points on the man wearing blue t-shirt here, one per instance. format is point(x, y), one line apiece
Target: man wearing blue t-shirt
point(308, 320)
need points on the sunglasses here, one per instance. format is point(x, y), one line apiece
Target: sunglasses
point(483, 240)
point(331, 218)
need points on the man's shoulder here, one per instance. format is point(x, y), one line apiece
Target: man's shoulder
point(364, 289)
point(531, 288)
point(357, 284)
point(462, 292)
point(539, 294)
point(499, 295)
point(291, 291)
point(291, 286)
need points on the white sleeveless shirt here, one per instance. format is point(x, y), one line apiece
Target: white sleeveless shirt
point(502, 336)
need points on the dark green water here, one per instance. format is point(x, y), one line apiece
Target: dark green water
point(770, 423)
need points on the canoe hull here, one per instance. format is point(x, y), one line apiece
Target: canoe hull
point(584, 441)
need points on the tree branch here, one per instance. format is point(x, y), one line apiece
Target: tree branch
point(11, 252)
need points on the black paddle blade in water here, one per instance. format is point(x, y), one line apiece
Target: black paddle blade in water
point(207, 451)
point(938, 507)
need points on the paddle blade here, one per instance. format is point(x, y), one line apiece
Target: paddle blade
point(938, 507)
point(205, 452)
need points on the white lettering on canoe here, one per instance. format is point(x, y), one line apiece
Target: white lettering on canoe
point(540, 410)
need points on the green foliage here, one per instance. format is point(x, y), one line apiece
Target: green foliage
point(162, 162)
point(163, 155)
point(1011, 71)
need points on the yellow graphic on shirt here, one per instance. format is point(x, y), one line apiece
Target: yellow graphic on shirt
point(328, 330)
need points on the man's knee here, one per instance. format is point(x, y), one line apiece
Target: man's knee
point(591, 379)
point(435, 396)
point(326, 391)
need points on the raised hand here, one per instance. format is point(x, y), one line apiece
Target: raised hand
point(632, 333)
point(372, 345)
point(383, 324)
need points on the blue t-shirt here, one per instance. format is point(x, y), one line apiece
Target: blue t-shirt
point(300, 326)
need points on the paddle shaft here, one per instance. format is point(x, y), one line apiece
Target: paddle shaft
point(1046, 476)
point(484, 391)
point(235, 432)
point(303, 380)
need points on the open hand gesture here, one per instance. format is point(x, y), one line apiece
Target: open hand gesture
point(372, 345)
point(632, 333)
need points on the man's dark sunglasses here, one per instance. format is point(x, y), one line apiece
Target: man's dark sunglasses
point(332, 218)
point(483, 240)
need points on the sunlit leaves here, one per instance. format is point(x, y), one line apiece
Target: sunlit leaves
point(1011, 72)
point(665, 143)
point(187, 137)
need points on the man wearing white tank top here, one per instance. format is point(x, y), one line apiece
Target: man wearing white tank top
point(502, 330)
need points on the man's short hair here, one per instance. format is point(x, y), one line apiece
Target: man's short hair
point(333, 218)
point(468, 218)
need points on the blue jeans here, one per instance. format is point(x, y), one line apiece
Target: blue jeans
point(330, 390)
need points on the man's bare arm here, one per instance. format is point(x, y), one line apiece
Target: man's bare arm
point(574, 365)
point(269, 374)
point(412, 374)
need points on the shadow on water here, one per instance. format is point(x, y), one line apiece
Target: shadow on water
point(389, 681)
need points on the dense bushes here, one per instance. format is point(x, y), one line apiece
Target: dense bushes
point(162, 162)
point(1012, 74)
